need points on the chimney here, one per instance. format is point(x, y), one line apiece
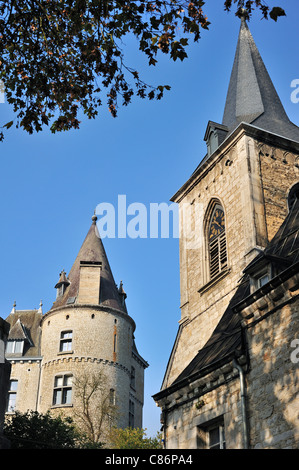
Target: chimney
point(89, 284)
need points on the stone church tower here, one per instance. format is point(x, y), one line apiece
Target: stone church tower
point(87, 332)
point(224, 385)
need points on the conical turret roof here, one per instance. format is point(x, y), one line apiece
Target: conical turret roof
point(92, 251)
point(251, 96)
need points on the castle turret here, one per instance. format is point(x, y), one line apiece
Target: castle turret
point(86, 335)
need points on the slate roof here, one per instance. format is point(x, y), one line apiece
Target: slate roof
point(227, 339)
point(251, 95)
point(283, 250)
point(92, 250)
point(25, 325)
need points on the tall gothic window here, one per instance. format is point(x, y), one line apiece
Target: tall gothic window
point(217, 242)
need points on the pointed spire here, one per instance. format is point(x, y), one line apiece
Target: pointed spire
point(121, 292)
point(62, 280)
point(92, 251)
point(13, 310)
point(40, 310)
point(251, 96)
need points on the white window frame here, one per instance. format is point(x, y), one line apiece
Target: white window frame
point(61, 390)
point(13, 343)
point(66, 341)
point(220, 443)
point(255, 279)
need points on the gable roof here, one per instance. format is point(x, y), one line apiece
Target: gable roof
point(25, 325)
point(251, 96)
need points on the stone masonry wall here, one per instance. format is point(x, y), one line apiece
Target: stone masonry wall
point(187, 424)
point(279, 172)
point(228, 180)
point(273, 381)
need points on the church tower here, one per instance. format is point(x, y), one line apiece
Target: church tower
point(230, 209)
point(86, 334)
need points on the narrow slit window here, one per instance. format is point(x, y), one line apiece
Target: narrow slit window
point(217, 242)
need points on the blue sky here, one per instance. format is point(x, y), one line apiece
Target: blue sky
point(51, 184)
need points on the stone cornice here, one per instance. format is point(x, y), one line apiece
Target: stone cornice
point(281, 290)
point(103, 308)
point(79, 359)
point(197, 386)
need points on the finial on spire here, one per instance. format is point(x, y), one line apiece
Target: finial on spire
point(243, 14)
point(40, 310)
point(13, 310)
point(94, 217)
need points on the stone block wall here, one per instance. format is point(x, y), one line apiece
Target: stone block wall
point(273, 380)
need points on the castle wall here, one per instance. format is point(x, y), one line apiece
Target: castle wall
point(272, 382)
point(101, 340)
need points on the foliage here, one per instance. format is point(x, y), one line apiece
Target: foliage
point(32, 430)
point(58, 57)
point(134, 438)
point(250, 5)
point(94, 412)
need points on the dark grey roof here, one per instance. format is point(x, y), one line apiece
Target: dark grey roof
point(251, 96)
point(92, 250)
point(226, 340)
point(25, 325)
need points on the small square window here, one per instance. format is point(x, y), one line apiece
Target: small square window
point(66, 341)
point(261, 277)
point(263, 280)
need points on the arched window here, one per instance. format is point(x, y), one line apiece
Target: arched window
point(217, 242)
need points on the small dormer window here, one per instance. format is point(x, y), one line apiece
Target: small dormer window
point(214, 136)
point(261, 277)
point(212, 143)
point(61, 285)
point(60, 291)
point(15, 346)
point(264, 279)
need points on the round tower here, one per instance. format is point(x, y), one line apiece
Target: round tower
point(87, 334)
